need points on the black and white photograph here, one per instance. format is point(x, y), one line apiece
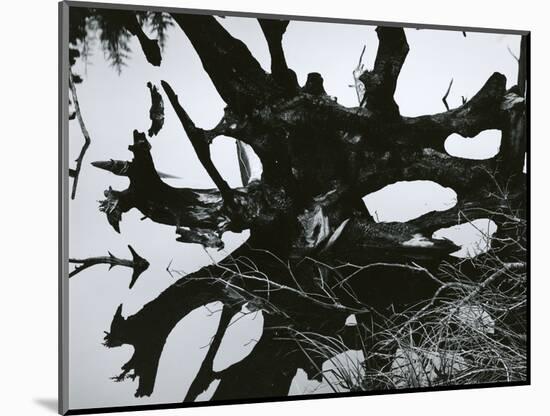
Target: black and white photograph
point(267, 207)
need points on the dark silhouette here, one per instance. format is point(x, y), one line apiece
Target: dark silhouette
point(156, 113)
point(138, 264)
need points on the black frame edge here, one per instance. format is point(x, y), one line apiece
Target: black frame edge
point(183, 405)
point(63, 203)
point(255, 15)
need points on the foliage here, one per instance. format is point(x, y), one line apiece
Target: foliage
point(90, 29)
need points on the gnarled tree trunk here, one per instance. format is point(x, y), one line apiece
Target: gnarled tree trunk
point(314, 255)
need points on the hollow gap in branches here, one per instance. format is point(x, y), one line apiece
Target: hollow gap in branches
point(474, 237)
point(231, 168)
point(405, 200)
point(483, 146)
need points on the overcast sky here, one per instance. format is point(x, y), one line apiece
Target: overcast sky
point(114, 105)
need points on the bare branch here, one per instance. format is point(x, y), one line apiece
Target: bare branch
point(200, 142)
point(236, 74)
point(205, 374)
point(200, 215)
point(462, 175)
point(484, 111)
point(76, 171)
point(358, 84)
point(444, 99)
point(121, 167)
point(273, 31)
point(274, 354)
point(138, 264)
point(512, 53)
point(363, 241)
point(470, 207)
point(380, 83)
point(148, 329)
point(156, 113)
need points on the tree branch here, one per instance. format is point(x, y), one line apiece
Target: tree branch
point(236, 74)
point(156, 113)
point(357, 84)
point(273, 31)
point(484, 111)
point(148, 329)
point(461, 175)
point(266, 372)
point(201, 211)
point(120, 168)
point(200, 142)
point(444, 99)
point(380, 83)
point(205, 374)
point(138, 264)
point(363, 241)
point(75, 173)
point(158, 201)
point(479, 204)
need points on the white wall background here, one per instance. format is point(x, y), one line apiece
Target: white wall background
point(29, 211)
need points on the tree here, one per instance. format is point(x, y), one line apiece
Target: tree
point(315, 255)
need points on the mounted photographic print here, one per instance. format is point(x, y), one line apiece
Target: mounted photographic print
point(261, 207)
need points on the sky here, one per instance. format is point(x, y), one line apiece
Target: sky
point(114, 105)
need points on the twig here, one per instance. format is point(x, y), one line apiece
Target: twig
point(512, 53)
point(444, 99)
point(138, 264)
point(358, 84)
point(492, 278)
point(76, 171)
